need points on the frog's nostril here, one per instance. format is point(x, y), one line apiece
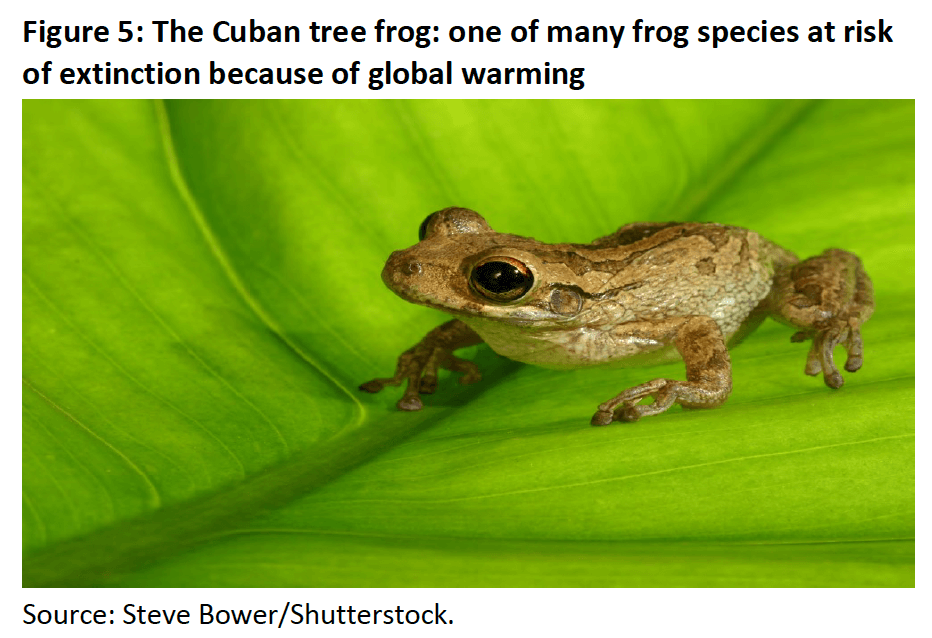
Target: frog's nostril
point(412, 268)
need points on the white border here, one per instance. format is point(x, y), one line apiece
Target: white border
point(748, 71)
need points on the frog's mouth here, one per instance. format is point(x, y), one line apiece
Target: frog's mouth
point(467, 310)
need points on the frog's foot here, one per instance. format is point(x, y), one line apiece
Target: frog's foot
point(708, 377)
point(828, 297)
point(821, 354)
point(420, 371)
point(659, 389)
point(665, 393)
point(418, 365)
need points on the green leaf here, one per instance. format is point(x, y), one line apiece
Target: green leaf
point(201, 297)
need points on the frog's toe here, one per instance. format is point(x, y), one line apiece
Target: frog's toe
point(834, 380)
point(410, 403)
point(855, 347)
point(624, 414)
point(813, 364)
point(371, 386)
point(853, 364)
point(826, 342)
point(602, 417)
point(468, 369)
point(428, 384)
point(376, 385)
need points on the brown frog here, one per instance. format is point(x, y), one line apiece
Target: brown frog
point(648, 293)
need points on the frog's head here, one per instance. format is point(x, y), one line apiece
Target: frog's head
point(462, 266)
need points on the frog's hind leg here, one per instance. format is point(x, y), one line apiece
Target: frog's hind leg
point(827, 297)
point(708, 372)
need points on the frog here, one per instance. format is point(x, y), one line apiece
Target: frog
point(648, 293)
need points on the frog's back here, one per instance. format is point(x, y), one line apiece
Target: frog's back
point(667, 269)
point(635, 232)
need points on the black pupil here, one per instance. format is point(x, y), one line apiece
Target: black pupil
point(422, 231)
point(500, 277)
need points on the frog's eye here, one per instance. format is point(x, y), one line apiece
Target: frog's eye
point(501, 279)
point(422, 230)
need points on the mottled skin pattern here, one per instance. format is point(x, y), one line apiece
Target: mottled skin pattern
point(647, 293)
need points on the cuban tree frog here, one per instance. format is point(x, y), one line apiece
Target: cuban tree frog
point(648, 293)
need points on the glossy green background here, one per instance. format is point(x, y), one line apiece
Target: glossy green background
point(201, 297)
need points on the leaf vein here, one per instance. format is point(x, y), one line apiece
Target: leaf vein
point(156, 498)
point(184, 192)
point(628, 476)
point(129, 376)
point(120, 277)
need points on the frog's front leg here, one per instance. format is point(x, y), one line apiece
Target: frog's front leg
point(708, 371)
point(828, 297)
point(419, 364)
